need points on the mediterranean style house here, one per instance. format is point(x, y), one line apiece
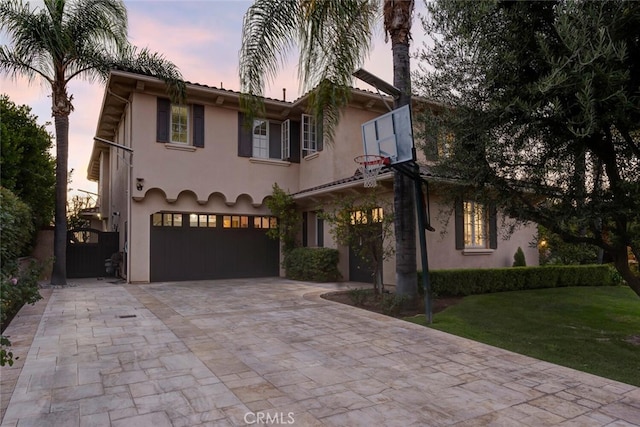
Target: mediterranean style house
point(185, 185)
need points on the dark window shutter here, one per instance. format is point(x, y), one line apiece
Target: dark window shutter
point(493, 227)
point(305, 227)
point(320, 231)
point(163, 120)
point(319, 138)
point(245, 147)
point(198, 125)
point(459, 224)
point(294, 141)
point(275, 141)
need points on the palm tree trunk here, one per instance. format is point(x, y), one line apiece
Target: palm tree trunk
point(397, 17)
point(59, 274)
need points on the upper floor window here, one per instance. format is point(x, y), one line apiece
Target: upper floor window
point(309, 135)
point(285, 138)
point(261, 139)
point(180, 123)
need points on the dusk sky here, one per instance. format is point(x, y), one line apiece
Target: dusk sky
point(203, 39)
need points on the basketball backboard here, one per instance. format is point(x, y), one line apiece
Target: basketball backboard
point(390, 135)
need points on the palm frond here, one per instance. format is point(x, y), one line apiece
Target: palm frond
point(335, 38)
point(268, 33)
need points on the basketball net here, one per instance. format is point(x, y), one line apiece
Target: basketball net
point(370, 167)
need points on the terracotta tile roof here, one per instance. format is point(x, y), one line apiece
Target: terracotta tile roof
point(425, 172)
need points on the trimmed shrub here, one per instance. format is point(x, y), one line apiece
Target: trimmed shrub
point(519, 259)
point(17, 229)
point(463, 282)
point(312, 264)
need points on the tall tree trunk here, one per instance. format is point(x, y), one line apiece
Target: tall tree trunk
point(397, 17)
point(59, 274)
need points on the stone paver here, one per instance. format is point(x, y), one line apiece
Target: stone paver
point(271, 351)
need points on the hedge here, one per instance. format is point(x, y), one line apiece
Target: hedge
point(462, 282)
point(313, 264)
point(16, 227)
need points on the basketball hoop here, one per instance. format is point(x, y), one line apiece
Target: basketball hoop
point(370, 166)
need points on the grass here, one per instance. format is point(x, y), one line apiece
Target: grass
point(592, 329)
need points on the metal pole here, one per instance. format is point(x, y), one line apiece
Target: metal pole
point(426, 283)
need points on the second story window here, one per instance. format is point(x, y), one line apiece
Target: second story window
point(261, 139)
point(309, 135)
point(179, 124)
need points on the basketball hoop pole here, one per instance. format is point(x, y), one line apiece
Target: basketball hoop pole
point(426, 282)
point(413, 172)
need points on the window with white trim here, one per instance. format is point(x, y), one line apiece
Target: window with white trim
point(285, 140)
point(179, 124)
point(261, 139)
point(309, 139)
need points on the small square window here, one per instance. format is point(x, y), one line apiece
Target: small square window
point(244, 222)
point(177, 220)
point(193, 220)
point(167, 220)
point(157, 220)
point(212, 223)
point(226, 221)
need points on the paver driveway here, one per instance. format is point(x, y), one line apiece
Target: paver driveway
point(241, 352)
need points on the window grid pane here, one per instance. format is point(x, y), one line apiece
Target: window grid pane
point(475, 225)
point(286, 148)
point(177, 220)
point(261, 139)
point(212, 222)
point(179, 126)
point(193, 220)
point(308, 135)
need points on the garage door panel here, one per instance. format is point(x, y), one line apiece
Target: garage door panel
point(191, 253)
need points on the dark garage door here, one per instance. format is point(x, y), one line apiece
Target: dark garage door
point(182, 251)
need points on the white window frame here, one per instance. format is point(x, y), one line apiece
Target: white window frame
point(260, 142)
point(476, 225)
point(309, 135)
point(285, 140)
point(184, 125)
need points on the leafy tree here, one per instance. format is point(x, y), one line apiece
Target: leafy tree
point(333, 38)
point(17, 229)
point(63, 40)
point(545, 107)
point(282, 205)
point(27, 168)
point(554, 250)
point(364, 224)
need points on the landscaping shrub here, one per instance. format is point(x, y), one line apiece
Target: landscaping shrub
point(462, 282)
point(17, 288)
point(313, 264)
point(16, 225)
point(519, 259)
point(359, 296)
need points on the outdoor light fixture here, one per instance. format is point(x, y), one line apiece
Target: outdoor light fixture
point(139, 183)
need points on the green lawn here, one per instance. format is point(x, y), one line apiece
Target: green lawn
point(586, 328)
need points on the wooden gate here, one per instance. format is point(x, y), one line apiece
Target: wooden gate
point(87, 250)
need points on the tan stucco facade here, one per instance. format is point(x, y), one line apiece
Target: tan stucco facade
point(215, 179)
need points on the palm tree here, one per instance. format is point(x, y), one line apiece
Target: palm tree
point(333, 37)
point(64, 40)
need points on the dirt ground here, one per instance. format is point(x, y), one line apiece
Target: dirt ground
point(373, 303)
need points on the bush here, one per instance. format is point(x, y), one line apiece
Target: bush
point(16, 290)
point(518, 258)
point(17, 229)
point(462, 282)
point(391, 304)
point(313, 264)
point(359, 296)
